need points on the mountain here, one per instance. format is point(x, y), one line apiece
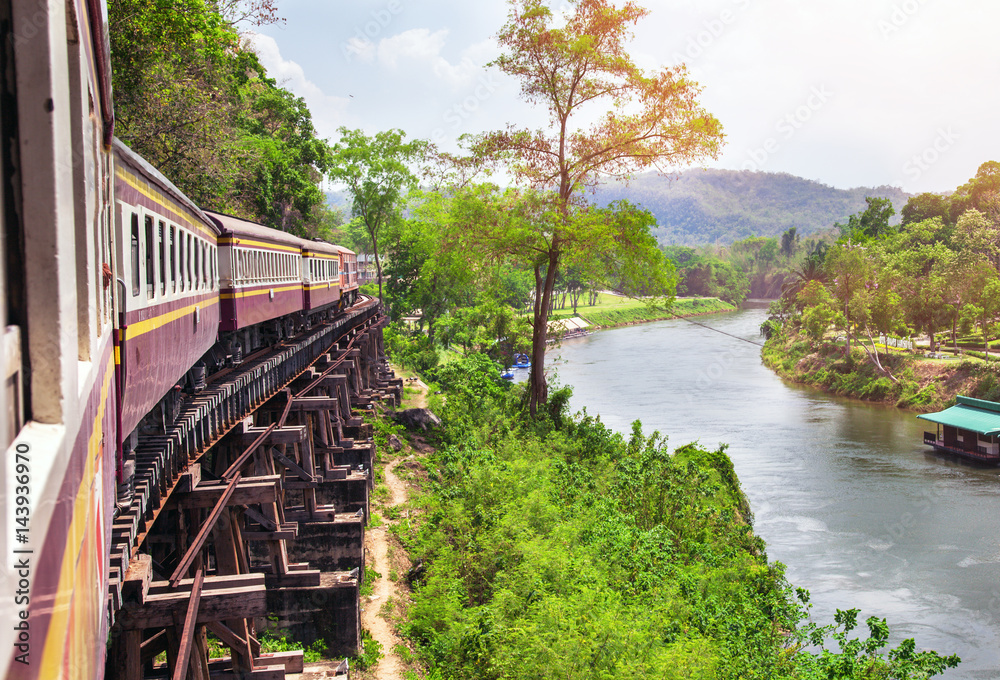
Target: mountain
point(722, 206)
point(339, 199)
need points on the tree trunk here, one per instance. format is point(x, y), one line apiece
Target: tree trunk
point(537, 387)
point(378, 269)
point(847, 333)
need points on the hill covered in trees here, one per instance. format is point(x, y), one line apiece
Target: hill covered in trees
point(721, 206)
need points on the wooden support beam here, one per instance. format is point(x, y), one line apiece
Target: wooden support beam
point(292, 465)
point(243, 457)
point(222, 597)
point(290, 434)
point(128, 655)
point(135, 585)
point(251, 491)
point(152, 647)
point(292, 661)
point(242, 657)
point(187, 631)
point(206, 529)
point(286, 535)
point(268, 524)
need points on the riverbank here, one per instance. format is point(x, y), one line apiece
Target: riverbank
point(917, 383)
point(555, 546)
point(613, 311)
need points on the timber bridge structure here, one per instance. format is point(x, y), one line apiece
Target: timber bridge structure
point(249, 511)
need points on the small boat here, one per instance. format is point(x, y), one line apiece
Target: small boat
point(507, 374)
point(522, 361)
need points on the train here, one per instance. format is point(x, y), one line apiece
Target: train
point(120, 296)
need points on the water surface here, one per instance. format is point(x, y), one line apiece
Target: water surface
point(845, 493)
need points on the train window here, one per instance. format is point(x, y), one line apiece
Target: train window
point(173, 258)
point(197, 264)
point(163, 258)
point(204, 264)
point(135, 254)
point(212, 263)
point(150, 266)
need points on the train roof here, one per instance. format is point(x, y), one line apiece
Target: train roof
point(317, 246)
point(142, 166)
point(344, 251)
point(245, 229)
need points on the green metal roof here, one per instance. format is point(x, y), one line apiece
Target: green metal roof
point(975, 415)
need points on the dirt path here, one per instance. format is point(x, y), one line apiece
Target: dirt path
point(376, 615)
point(389, 667)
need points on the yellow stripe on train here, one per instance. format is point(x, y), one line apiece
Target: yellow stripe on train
point(64, 653)
point(140, 327)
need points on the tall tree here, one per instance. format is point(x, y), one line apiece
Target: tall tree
point(376, 172)
point(871, 223)
point(851, 268)
point(193, 99)
point(569, 65)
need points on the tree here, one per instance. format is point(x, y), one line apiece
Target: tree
point(789, 242)
point(423, 272)
point(984, 299)
point(977, 237)
point(193, 99)
point(870, 224)
point(568, 65)
point(923, 207)
point(851, 270)
point(375, 171)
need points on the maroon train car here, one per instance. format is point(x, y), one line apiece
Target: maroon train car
point(348, 275)
point(168, 263)
point(261, 273)
point(320, 274)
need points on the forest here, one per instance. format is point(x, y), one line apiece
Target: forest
point(932, 279)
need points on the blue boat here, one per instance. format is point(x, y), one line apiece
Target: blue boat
point(507, 374)
point(522, 361)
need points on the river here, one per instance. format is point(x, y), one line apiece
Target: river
point(845, 493)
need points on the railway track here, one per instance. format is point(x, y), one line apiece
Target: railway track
point(246, 489)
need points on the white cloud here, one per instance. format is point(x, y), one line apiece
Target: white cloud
point(328, 112)
point(421, 50)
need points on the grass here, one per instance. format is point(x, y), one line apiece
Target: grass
point(628, 307)
point(612, 310)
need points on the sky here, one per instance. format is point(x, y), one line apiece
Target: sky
point(849, 93)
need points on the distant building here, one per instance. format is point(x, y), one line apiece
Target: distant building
point(970, 429)
point(366, 269)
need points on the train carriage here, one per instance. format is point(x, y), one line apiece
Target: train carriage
point(57, 415)
point(348, 274)
point(320, 274)
point(168, 286)
point(261, 273)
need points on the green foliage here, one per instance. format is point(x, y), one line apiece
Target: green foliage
point(620, 315)
point(412, 350)
point(371, 652)
point(376, 172)
point(193, 100)
point(554, 548)
point(862, 659)
point(870, 224)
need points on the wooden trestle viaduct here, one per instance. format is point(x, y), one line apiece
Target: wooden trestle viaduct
point(251, 507)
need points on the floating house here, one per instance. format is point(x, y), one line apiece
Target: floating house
point(970, 429)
